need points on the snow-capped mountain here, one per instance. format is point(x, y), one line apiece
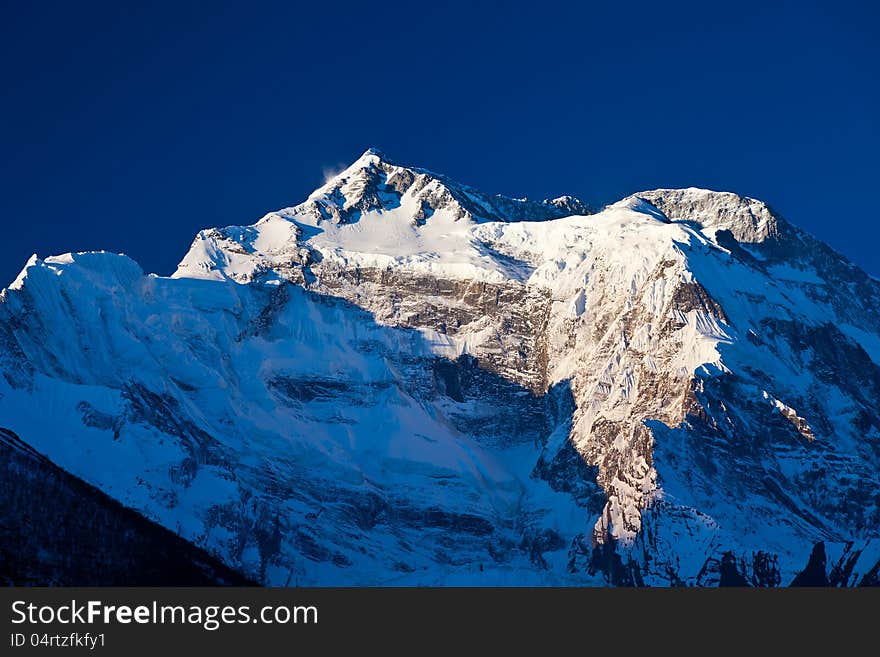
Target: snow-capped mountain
point(403, 380)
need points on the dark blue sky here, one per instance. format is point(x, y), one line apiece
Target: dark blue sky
point(131, 128)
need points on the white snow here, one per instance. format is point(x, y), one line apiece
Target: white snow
point(789, 273)
point(870, 342)
point(614, 284)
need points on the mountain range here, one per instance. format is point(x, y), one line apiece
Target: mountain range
point(405, 381)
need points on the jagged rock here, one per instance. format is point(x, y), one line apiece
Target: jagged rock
point(403, 380)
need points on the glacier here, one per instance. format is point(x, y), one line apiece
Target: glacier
point(405, 381)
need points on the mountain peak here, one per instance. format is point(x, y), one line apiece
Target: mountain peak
point(370, 157)
point(375, 183)
point(591, 392)
point(748, 219)
point(372, 151)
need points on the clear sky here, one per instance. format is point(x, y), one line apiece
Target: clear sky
point(129, 128)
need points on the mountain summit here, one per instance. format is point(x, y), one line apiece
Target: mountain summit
point(403, 380)
point(375, 183)
point(374, 208)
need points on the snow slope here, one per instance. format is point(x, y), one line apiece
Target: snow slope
point(404, 380)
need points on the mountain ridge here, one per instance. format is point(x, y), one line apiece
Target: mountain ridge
point(679, 389)
point(472, 204)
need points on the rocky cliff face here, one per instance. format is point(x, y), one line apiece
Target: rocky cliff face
point(405, 380)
